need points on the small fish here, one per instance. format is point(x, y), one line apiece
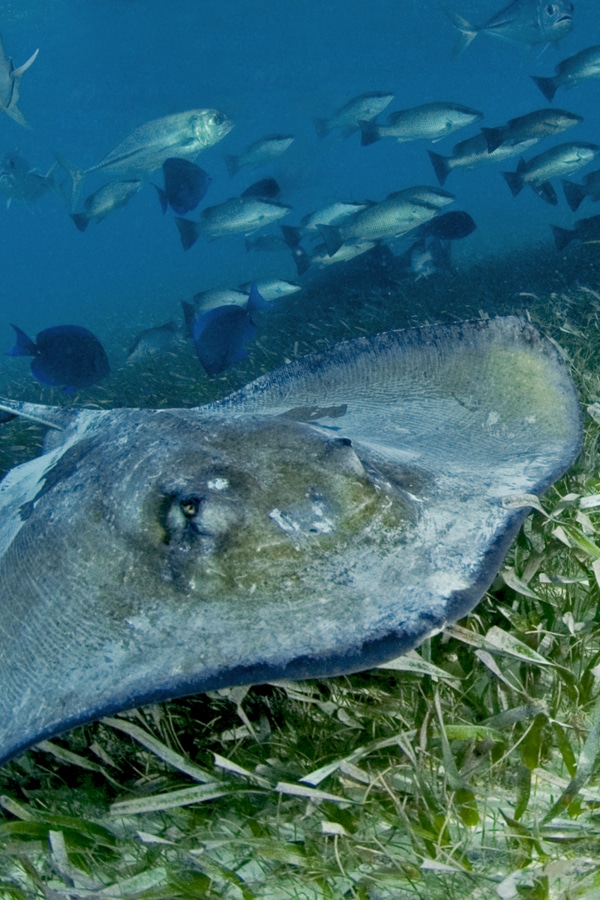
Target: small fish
point(185, 185)
point(181, 134)
point(538, 124)
point(210, 299)
point(10, 81)
point(584, 230)
point(98, 205)
point(583, 66)
point(154, 341)
point(349, 117)
point(450, 226)
point(259, 153)
point(267, 188)
point(430, 122)
point(66, 356)
point(332, 214)
point(19, 181)
point(472, 153)
point(221, 335)
point(576, 193)
point(560, 160)
point(272, 288)
point(239, 215)
point(527, 22)
point(321, 259)
point(426, 258)
point(392, 217)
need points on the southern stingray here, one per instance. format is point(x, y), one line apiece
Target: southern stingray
point(321, 520)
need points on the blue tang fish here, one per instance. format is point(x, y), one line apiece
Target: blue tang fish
point(67, 356)
point(221, 335)
point(527, 22)
point(185, 185)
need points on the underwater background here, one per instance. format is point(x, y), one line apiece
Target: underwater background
point(105, 67)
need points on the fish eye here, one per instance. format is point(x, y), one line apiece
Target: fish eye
point(189, 506)
point(218, 119)
point(551, 9)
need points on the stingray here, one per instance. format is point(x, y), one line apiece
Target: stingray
point(323, 519)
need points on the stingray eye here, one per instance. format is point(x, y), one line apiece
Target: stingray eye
point(190, 506)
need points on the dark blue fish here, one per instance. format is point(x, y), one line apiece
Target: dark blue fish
point(265, 188)
point(450, 226)
point(221, 335)
point(527, 22)
point(185, 185)
point(65, 356)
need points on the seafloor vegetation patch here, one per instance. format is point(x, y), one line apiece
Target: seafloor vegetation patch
point(468, 768)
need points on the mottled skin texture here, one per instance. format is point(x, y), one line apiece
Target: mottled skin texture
point(323, 519)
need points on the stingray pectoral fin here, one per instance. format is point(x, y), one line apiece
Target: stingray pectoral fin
point(49, 416)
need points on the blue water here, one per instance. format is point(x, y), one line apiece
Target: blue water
point(107, 66)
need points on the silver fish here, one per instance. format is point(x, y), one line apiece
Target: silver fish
point(392, 217)
point(527, 22)
point(331, 214)
point(260, 152)
point(348, 118)
point(153, 341)
point(473, 152)
point(584, 230)
point(323, 520)
point(98, 205)
point(239, 215)
point(321, 259)
point(272, 288)
point(538, 124)
point(430, 122)
point(584, 66)
point(182, 135)
point(10, 82)
point(555, 162)
point(215, 297)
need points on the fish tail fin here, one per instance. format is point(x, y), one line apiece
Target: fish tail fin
point(12, 109)
point(292, 235)
point(369, 133)
point(440, 165)
point(81, 220)
point(467, 31)
point(562, 237)
point(256, 302)
point(232, 163)
point(322, 127)
point(23, 346)
point(302, 260)
point(546, 192)
point(16, 115)
point(74, 172)
point(493, 138)
point(574, 194)
point(546, 85)
point(514, 181)
point(188, 232)
point(331, 236)
point(189, 317)
point(18, 73)
point(162, 198)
